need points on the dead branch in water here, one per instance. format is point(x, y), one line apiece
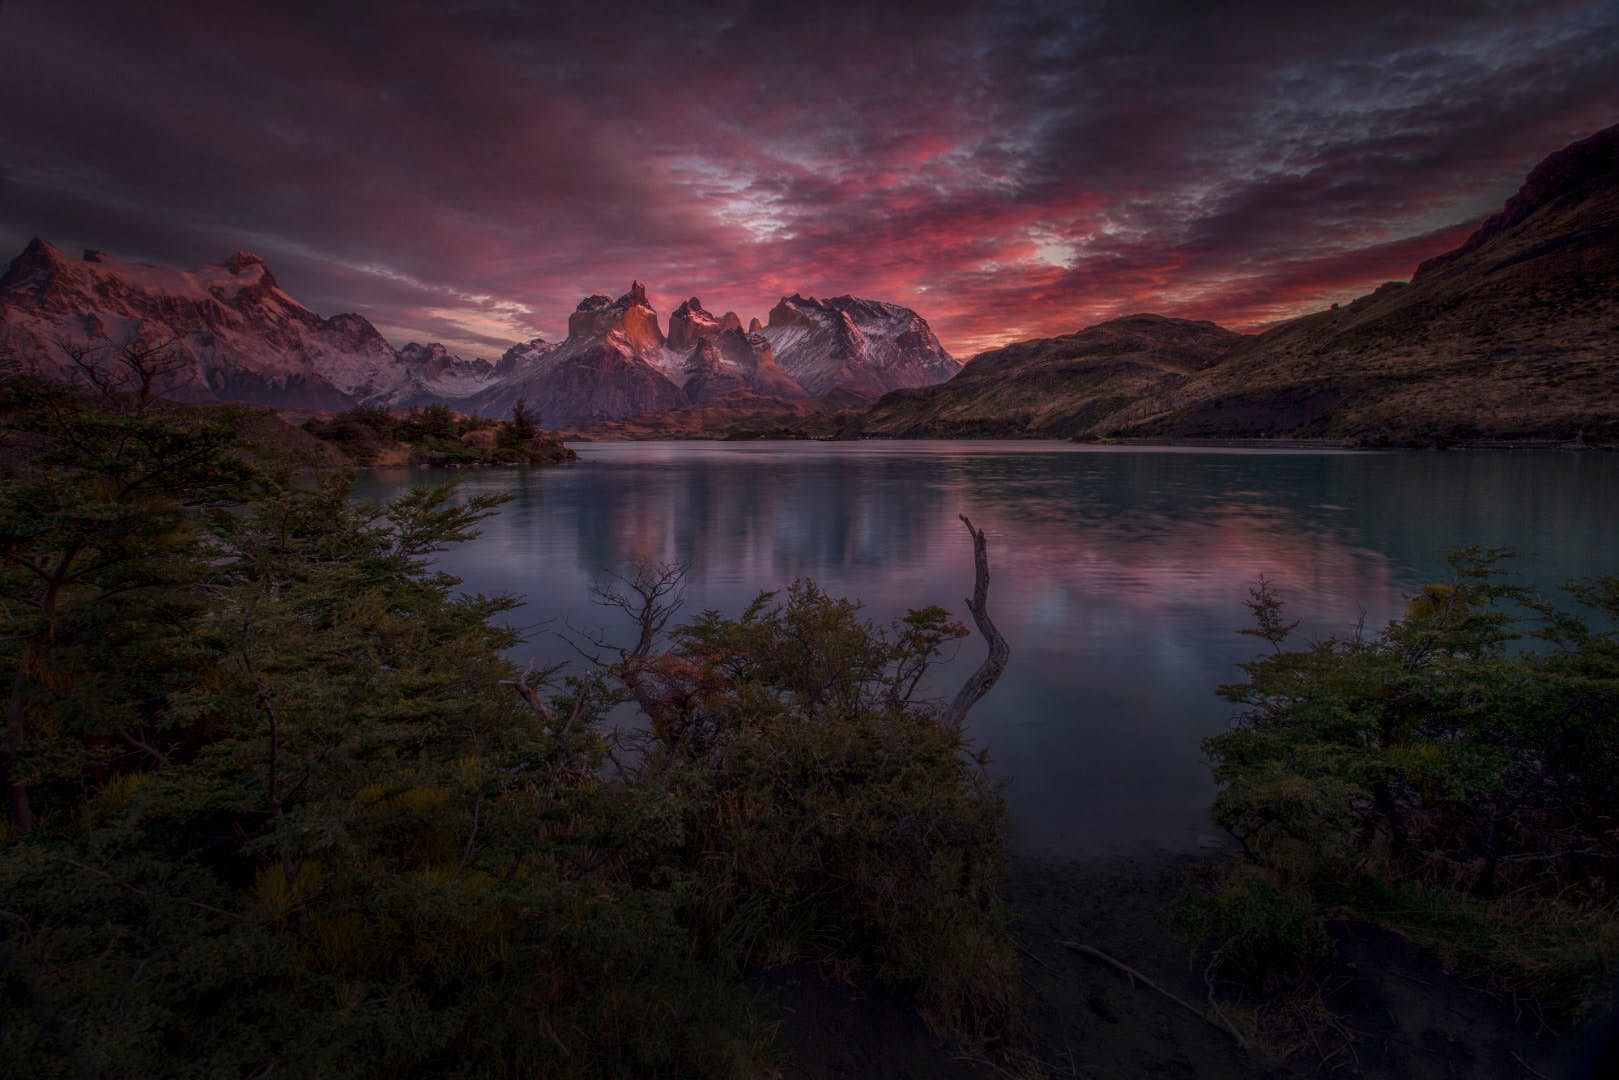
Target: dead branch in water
point(990, 670)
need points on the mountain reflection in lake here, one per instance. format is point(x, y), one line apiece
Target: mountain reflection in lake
point(1118, 574)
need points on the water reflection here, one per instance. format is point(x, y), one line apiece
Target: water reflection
point(1119, 574)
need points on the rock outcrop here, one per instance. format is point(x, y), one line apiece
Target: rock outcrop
point(613, 363)
point(730, 361)
point(689, 323)
point(616, 362)
point(629, 320)
point(436, 375)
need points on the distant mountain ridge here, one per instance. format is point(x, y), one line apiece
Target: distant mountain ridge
point(1512, 335)
point(1056, 387)
point(854, 350)
point(241, 338)
point(616, 362)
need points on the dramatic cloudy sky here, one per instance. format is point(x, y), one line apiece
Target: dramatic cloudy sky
point(465, 171)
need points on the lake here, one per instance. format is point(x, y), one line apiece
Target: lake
point(1118, 573)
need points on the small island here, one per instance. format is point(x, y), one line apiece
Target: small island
point(438, 436)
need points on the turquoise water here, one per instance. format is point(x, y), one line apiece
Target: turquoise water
point(1118, 574)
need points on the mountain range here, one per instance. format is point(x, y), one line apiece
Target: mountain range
point(235, 335)
point(1512, 335)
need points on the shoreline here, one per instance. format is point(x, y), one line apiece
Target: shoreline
point(1146, 443)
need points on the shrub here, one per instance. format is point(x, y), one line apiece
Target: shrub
point(1466, 755)
point(828, 813)
point(1259, 926)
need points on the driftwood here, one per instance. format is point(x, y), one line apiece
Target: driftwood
point(1135, 976)
point(989, 672)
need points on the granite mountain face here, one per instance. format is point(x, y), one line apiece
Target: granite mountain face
point(851, 350)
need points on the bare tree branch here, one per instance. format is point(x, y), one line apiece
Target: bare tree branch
point(525, 690)
point(158, 755)
point(989, 672)
point(134, 369)
point(655, 594)
point(135, 889)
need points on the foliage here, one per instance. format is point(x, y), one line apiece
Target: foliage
point(1455, 777)
point(288, 815)
point(1263, 927)
point(524, 425)
point(830, 812)
point(437, 435)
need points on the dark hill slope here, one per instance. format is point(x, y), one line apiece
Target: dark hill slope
point(1515, 334)
point(1058, 386)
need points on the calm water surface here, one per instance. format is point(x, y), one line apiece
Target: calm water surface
point(1119, 574)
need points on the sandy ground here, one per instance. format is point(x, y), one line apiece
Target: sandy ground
point(1084, 1019)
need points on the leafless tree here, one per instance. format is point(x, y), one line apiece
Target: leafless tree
point(531, 682)
point(652, 595)
point(134, 370)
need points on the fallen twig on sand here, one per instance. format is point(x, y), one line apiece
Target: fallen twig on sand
point(1135, 976)
point(1528, 1068)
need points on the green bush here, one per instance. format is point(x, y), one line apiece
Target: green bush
point(436, 436)
point(831, 815)
point(1467, 754)
point(1259, 926)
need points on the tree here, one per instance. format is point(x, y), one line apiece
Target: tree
point(434, 422)
point(817, 779)
point(98, 538)
point(136, 370)
point(525, 424)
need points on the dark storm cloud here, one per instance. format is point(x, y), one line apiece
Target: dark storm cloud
point(464, 172)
